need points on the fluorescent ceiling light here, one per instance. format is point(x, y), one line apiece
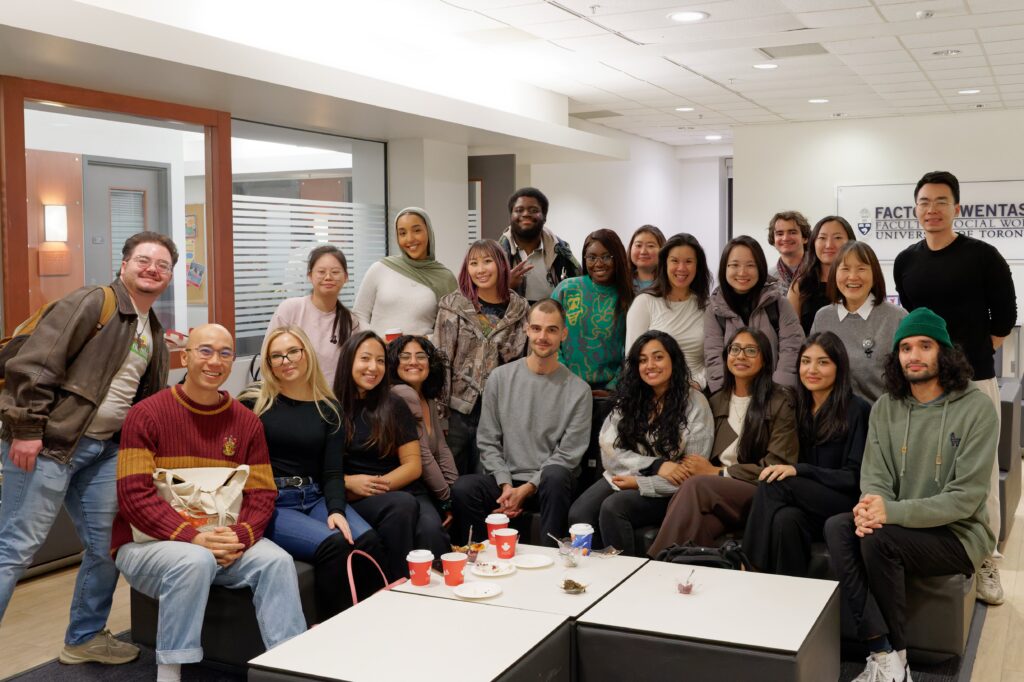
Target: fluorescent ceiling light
point(684, 108)
point(969, 91)
point(818, 100)
point(712, 138)
point(688, 16)
point(765, 67)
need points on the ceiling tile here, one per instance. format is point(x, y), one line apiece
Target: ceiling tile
point(1005, 47)
point(891, 57)
point(1003, 59)
point(935, 65)
point(927, 54)
point(864, 16)
point(878, 44)
point(907, 11)
point(997, 33)
point(572, 28)
point(940, 39)
point(523, 15)
point(984, 6)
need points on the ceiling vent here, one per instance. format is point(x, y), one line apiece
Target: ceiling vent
point(786, 51)
point(587, 115)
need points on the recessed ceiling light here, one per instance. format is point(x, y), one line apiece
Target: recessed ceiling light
point(946, 53)
point(969, 91)
point(688, 17)
point(766, 66)
point(684, 108)
point(924, 14)
point(712, 138)
point(818, 100)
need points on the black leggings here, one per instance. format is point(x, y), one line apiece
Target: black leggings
point(615, 515)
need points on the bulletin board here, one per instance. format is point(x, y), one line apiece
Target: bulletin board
point(195, 253)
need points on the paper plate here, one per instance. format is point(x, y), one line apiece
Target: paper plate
point(532, 560)
point(477, 590)
point(500, 568)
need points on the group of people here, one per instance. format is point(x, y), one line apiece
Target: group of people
point(787, 404)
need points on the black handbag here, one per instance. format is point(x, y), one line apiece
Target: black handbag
point(729, 555)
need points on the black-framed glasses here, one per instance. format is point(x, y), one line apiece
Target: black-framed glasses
point(145, 262)
point(406, 357)
point(749, 351)
point(207, 353)
point(606, 259)
point(293, 355)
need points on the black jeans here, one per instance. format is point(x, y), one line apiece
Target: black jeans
point(404, 521)
point(785, 518)
point(872, 570)
point(462, 439)
point(615, 515)
point(474, 497)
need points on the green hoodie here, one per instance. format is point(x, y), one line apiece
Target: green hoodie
point(931, 464)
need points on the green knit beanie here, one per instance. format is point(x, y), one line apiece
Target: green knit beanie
point(922, 322)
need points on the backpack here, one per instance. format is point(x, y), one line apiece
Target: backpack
point(10, 345)
point(772, 310)
point(729, 555)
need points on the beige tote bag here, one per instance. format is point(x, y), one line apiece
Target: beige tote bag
point(205, 497)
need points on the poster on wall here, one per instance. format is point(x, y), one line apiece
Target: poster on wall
point(883, 215)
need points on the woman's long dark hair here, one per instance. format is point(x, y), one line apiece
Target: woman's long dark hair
point(437, 368)
point(809, 273)
point(742, 304)
point(829, 424)
point(377, 403)
point(701, 284)
point(643, 427)
point(342, 325)
point(623, 274)
point(755, 434)
point(954, 372)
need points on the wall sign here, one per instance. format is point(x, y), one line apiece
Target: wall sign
point(883, 215)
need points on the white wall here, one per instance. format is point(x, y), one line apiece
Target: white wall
point(652, 186)
point(800, 165)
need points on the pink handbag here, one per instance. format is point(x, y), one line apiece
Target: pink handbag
point(352, 578)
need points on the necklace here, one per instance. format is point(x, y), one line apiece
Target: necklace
point(140, 343)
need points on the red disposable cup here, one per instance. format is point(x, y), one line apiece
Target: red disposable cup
point(505, 542)
point(494, 522)
point(454, 568)
point(392, 334)
point(419, 566)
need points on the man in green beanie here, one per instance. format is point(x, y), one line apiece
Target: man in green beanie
point(924, 481)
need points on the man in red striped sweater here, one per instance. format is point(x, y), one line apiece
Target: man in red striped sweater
point(195, 424)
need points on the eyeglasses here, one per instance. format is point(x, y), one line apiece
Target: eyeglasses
point(207, 353)
point(292, 356)
point(750, 351)
point(322, 274)
point(938, 204)
point(531, 210)
point(144, 262)
point(606, 258)
point(406, 357)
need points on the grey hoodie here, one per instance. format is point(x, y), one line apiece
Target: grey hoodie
point(931, 464)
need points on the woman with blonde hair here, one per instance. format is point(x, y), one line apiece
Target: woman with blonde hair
point(302, 424)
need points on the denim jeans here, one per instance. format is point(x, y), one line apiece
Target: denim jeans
point(299, 524)
point(179, 575)
point(29, 504)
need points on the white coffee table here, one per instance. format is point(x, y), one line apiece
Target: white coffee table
point(404, 637)
point(537, 589)
point(735, 626)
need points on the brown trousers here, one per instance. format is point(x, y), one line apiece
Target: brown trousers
point(704, 508)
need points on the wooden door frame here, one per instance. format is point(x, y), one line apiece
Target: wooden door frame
point(14, 92)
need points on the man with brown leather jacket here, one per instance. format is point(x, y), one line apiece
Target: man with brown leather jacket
point(67, 392)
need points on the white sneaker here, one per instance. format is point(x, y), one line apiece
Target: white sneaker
point(884, 666)
point(990, 589)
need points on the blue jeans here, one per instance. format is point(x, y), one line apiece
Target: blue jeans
point(299, 523)
point(179, 575)
point(29, 504)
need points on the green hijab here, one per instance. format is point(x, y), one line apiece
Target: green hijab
point(428, 271)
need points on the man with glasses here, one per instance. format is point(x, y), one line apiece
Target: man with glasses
point(968, 283)
point(539, 260)
point(66, 395)
point(175, 557)
point(534, 429)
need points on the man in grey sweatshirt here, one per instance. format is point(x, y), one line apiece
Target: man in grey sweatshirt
point(924, 482)
point(534, 429)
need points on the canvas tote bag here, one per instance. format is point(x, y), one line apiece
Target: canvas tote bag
point(205, 497)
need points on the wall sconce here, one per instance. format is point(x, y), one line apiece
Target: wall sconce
point(55, 223)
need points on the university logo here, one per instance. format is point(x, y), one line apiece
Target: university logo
point(864, 226)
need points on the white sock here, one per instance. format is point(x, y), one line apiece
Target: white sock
point(903, 657)
point(168, 672)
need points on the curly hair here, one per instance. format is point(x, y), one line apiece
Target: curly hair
point(651, 425)
point(829, 423)
point(437, 366)
point(755, 434)
point(955, 372)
